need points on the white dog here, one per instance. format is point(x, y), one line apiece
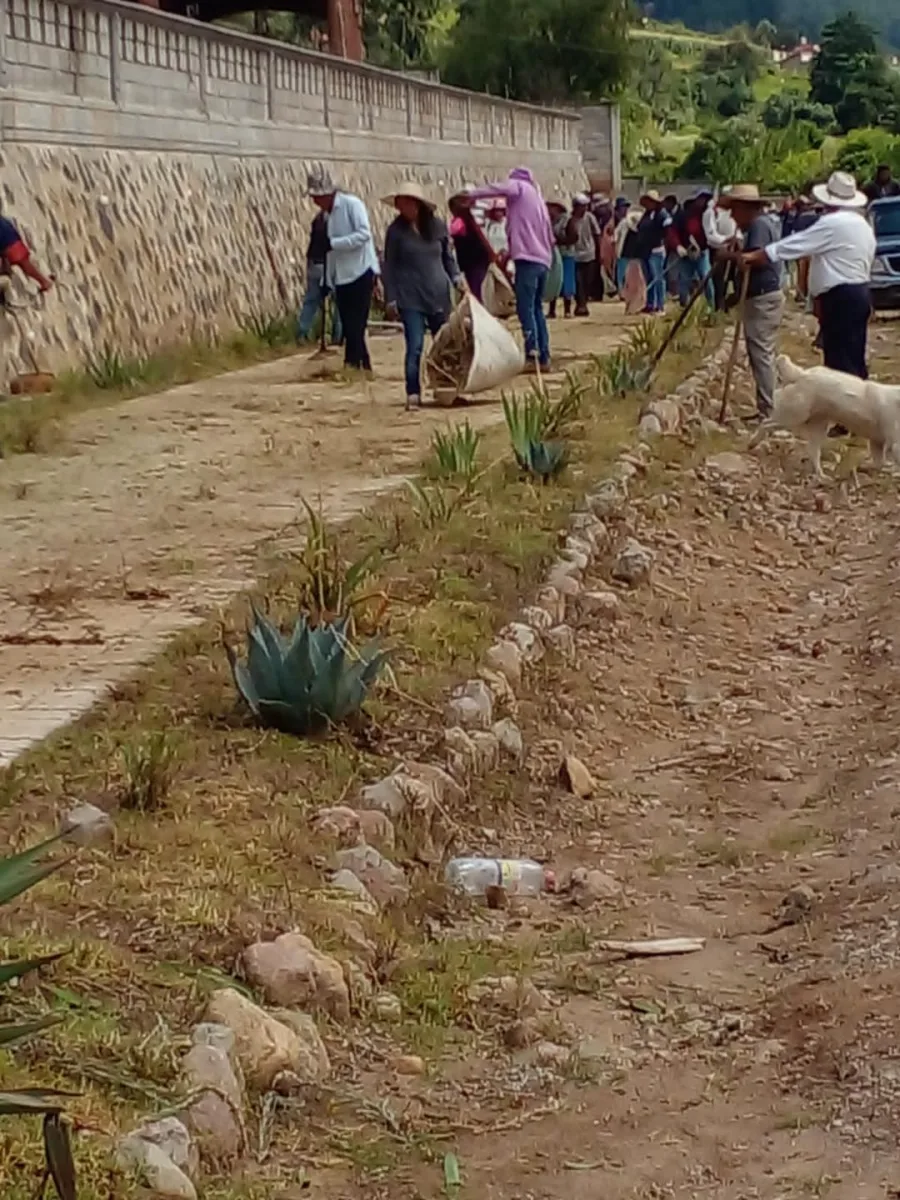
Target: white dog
point(812, 399)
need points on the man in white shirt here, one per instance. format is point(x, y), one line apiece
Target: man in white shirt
point(352, 264)
point(841, 249)
point(721, 233)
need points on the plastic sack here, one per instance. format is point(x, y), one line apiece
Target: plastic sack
point(472, 352)
point(497, 293)
point(634, 293)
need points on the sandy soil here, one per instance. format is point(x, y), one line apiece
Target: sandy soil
point(740, 722)
point(150, 512)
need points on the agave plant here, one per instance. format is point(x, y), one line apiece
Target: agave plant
point(17, 874)
point(544, 459)
point(456, 451)
point(303, 683)
point(621, 372)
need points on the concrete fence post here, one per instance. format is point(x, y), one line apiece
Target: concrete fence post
point(469, 120)
point(115, 57)
point(269, 83)
point(408, 99)
point(326, 109)
point(4, 9)
point(203, 74)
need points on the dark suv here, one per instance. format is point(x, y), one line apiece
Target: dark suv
point(885, 281)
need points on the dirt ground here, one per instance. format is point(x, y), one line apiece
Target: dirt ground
point(740, 723)
point(150, 512)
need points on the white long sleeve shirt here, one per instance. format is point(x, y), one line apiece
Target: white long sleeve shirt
point(352, 250)
point(841, 247)
point(718, 227)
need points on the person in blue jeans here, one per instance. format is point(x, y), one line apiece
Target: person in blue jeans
point(419, 270)
point(651, 236)
point(316, 290)
point(531, 243)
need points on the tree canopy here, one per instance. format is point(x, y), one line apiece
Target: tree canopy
point(851, 76)
point(800, 16)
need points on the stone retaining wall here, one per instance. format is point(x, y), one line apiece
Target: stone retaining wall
point(135, 145)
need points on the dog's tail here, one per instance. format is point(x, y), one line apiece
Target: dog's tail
point(788, 371)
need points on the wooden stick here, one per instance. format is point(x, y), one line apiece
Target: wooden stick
point(698, 291)
point(655, 948)
point(732, 358)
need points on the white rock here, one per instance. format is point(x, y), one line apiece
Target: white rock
point(376, 828)
point(650, 425)
point(730, 464)
point(154, 1169)
point(385, 881)
point(385, 796)
point(537, 618)
point(576, 777)
point(584, 542)
point(387, 1007)
point(487, 751)
point(471, 706)
point(526, 639)
point(214, 1114)
point(578, 557)
point(171, 1136)
point(608, 498)
point(634, 563)
point(604, 605)
point(586, 887)
point(340, 824)
point(292, 973)
point(86, 824)
point(461, 754)
point(552, 602)
point(346, 881)
point(562, 639)
point(505, 657)
point(311, 1064)
point(509, 739)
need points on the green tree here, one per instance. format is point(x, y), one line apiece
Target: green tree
point(407, 33)
point(544, 51)
point(784, 108)
point(863, 151)
point(850, 75)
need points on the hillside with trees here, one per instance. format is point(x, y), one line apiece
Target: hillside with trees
point(794, 17)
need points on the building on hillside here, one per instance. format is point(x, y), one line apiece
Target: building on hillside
point(797, 58)
point(342, 18)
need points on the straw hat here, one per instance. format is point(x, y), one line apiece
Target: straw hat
point(742, 193)
point(653, 195)
point(840, 192)
point(414, 191)
point(319, 182)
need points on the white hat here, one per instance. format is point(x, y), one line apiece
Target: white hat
point(840, 192)
point(414, 191)
point(580, 198)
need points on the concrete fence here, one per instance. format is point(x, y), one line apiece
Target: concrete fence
point(107, 53)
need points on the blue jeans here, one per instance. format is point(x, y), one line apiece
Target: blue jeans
point(313, 300)
point(621, 268)
point(415, 322)
point(692, 271)
point(530, 280)
point(655, 274)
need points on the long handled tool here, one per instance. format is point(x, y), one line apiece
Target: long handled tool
point(699, 289)
point(732, 358)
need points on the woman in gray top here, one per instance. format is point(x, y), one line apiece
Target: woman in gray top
point(419, 269)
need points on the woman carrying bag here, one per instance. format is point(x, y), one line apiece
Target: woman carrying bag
point(419, 270)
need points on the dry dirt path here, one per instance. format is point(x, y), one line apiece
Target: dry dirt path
point(149, 513)
point(740, 721)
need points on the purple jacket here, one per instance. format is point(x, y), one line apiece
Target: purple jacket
point(528, 227)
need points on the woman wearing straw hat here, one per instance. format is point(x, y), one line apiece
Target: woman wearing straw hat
point(841, 249)
point(419, 269)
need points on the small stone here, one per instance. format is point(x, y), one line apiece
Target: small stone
point(509, 739)
point(210, 1067)
point(171, 1136)
point(376, 828)
point(292, 973)
point(214, 1114)
point(384, 881)
point(578, 557)
point(510, 993)
point(311, 1063)
point(359, 985)
point(584, 542)
point(568, 587)
point(551, 600)
point(633, 563)
point(339, 824)
point(730, 464)
point(471, 706)
point(562, 639)
point(503, 696)
point(798, 905)
point(537, 618)
point(387, 1007)
point(607, 499)
point(587, 886)
point(346, 881)
point(384, 796)
point(777, 773)
point(575, 776)
point(87, 825)
point(650, 425)
point(487, 751)
point(529, 644)
point(604, 607)
point(550, 1054)
point(461, 753)
point(264, 1045)
point(409, 1064)
point(506, 659)
point(154, 1169)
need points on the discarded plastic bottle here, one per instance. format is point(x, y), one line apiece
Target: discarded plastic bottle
point(517, 876)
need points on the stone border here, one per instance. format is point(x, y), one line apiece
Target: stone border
point(280, 1050)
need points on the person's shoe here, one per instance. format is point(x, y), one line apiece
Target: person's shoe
point(413, 403)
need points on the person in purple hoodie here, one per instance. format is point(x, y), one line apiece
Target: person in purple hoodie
point(531, 242)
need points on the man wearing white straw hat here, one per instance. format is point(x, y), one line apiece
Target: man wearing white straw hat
point(419, 269)
point(841, 249)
